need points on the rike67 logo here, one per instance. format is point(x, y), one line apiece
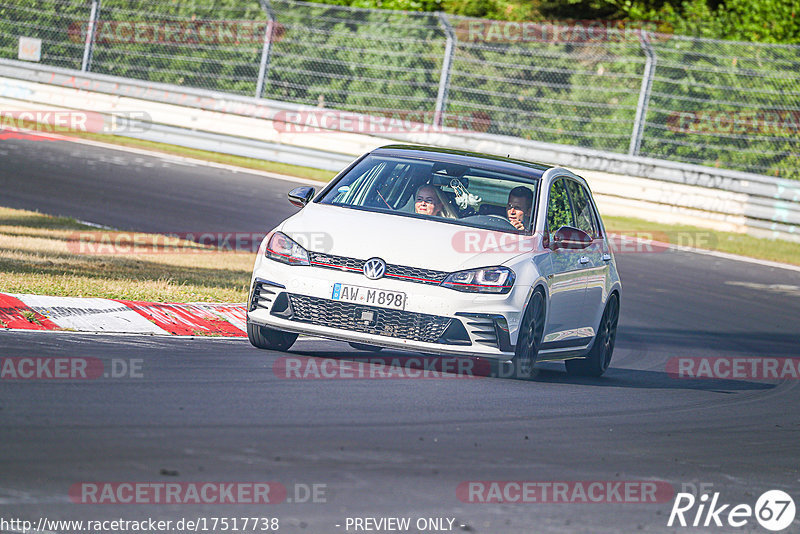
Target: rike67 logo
point(774, 510)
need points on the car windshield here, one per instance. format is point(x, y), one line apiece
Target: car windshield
point(461, 194)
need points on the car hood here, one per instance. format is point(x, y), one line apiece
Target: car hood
point(402, 240)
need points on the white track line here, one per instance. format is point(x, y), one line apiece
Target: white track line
point(745, 259)
point(160, 336)
point(193, 161)
point(130, 334)
point(714, 253)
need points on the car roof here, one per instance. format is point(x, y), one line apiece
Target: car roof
point(445, 155)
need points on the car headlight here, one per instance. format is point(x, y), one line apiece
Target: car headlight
point(284, 249)
point(486, 280)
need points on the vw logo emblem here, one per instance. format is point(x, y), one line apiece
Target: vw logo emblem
point(374, 268)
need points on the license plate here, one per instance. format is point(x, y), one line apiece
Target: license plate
point(369, 296)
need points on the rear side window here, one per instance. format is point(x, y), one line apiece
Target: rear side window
point(559, 212)
point(584, 216)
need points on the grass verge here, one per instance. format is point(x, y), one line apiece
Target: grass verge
point(692, 236)
point(44, 255)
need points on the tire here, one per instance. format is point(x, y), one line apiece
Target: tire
point(599, 357)
point(364, 346)
point(267, 338)
point(530, 338)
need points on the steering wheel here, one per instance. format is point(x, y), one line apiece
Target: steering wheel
point(500, 217)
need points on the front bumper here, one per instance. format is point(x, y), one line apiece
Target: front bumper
point(435, 320)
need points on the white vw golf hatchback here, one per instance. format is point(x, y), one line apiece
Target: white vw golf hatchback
point(443, 252)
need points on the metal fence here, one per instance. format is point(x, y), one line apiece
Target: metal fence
point(625, 90)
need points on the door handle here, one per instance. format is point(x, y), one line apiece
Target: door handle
point(584, 260)
point(606, 257)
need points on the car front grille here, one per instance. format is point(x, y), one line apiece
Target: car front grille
point(400, 272)
point(385, 322)
point(330, 261)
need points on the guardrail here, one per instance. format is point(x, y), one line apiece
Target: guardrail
point(659, 190)
point(627, 87)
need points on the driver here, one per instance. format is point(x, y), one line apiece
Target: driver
point(427, 202)
point(518, 209)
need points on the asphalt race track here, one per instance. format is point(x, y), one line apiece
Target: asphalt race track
point(217, 410)
point(129, 192)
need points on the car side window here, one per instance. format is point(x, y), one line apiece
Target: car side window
point(584, 219)
point(559, 211)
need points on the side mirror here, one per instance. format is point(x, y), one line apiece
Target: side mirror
point(301, 196)
point(570, 238)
